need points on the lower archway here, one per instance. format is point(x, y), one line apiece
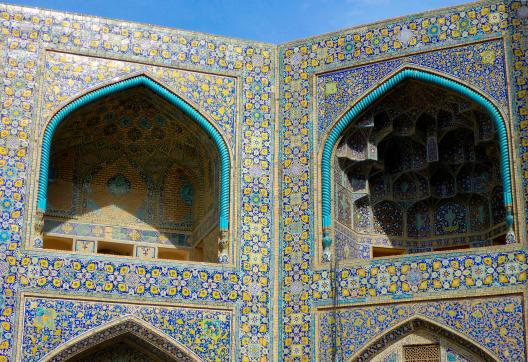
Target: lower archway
point(128, 338)
point(418, 339)
point(125, 347)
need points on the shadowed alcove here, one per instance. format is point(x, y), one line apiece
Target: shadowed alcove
point(131, 174)
point(128, 339)
point(418, 171)
point(124, 348)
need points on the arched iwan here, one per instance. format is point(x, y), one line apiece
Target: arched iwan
point(126, 326)
point(410, 326)
point(137, 81)
point(377, 94)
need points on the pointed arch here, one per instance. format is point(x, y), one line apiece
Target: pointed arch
point(127, 325)
point(165, 93)
point(412, 325)
point(376, 94)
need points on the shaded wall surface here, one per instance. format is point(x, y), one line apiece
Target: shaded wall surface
point(274, 107)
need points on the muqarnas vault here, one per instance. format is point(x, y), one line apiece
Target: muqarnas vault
point(176, 196)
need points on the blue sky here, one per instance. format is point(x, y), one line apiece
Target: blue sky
point(273, 21)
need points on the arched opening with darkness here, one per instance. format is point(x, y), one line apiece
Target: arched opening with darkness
point(127, 340)
point(127, 347)
point(132, 174)
point(418, 170)
point(423, 341)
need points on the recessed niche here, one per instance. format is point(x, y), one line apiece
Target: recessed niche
point(173, 254)
point(435, 181)
point(137, 170)
point(380, 252)
point(110, 248)
point(454, 247)
point(57, 243)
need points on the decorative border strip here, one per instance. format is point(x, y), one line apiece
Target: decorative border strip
point(375, 95)
point(161, 91)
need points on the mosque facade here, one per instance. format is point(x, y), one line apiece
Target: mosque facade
point(168, 195)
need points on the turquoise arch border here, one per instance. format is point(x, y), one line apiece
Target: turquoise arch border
point(136, 81)
point(377, 94)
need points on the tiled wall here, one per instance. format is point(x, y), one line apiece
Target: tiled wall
point(263, 306)
point(479, 45)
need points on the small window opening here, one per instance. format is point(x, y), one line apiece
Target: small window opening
point(105, 247)
point(422, 353)
point(57, 243)
point(380, 252)
point(453, 247)
point(173, 254)
point(500, 240)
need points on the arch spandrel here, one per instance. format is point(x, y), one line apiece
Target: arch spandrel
point(411, 325)
point(334, 102)
point(157, 340)
point(219, 104)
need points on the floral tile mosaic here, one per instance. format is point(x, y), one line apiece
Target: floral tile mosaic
point(325, 58)
point(79, 52)
point(49, 322)
point(69, 74)
point(480, 65)
point(495, 323)
point(411, 277)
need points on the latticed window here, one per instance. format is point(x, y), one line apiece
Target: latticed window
point(422, 353)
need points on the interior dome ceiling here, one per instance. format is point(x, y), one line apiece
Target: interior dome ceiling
point(133, 159)
point(421, 162)
point(139, 126)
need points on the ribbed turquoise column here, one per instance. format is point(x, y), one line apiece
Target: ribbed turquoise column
point(166, 94)
point(376, 94)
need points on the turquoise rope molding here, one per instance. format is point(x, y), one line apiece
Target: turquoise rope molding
point(376, 94)
point(161, 91)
